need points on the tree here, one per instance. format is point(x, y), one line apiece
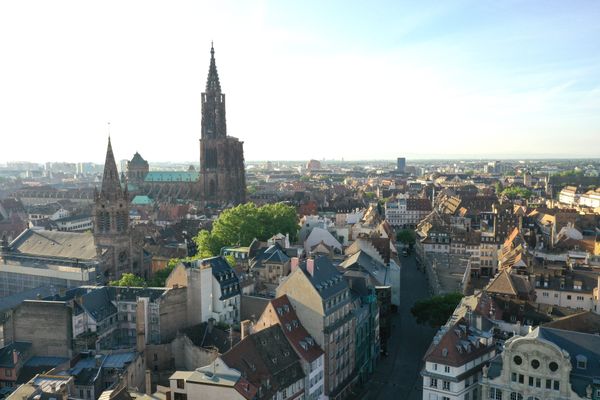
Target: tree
point(516, 192)
point(436, 310)
point(129, 279)
point(406, 236)
point(230, 260)
point(239, 225)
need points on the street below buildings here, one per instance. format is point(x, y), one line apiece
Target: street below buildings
point(397, 375)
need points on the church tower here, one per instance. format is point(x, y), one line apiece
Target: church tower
point(222, 172)
point(111, 221)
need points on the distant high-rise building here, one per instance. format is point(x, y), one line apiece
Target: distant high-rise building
point(401, 164)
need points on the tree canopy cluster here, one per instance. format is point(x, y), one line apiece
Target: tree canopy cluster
point(436, 310)
point(406, 236)
point(514, 192)
point(238, 226)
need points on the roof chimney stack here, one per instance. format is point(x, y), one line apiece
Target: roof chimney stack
point(295, 262)
point(310, 266)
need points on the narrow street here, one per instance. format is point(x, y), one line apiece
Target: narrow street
point(398, 375)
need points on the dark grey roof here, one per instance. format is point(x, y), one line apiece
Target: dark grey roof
point(6, 353)
point(78, 217)
point(225, 275)
point(14, 300)
point(277, 256)
point(252, 307)
point(133, 293)
point(361, 261)
point(207, 336)
point(325, 278)
point(577, 344)
point(97, 303)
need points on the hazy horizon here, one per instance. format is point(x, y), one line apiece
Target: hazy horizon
point(380, 80)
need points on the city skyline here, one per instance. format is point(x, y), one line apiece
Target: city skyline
point(414, 81)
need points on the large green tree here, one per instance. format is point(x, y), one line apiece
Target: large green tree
point(406, 236)
point(129, 279)
point(436, 310)
point(240, 225)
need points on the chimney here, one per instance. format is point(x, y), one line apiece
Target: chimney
point(310, 266)
point(295, 262)
point(209, 325)
point(148, 382)
point(15, 355)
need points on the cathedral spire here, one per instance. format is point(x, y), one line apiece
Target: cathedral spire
point(111, 185)
point(212, 83)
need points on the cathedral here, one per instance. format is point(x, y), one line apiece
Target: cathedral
point(112, 234)
point(221, 178)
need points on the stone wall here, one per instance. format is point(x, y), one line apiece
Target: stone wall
point(47, 325)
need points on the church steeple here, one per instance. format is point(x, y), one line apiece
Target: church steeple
point(213, 85)
point(111, 183)
point(213, 103)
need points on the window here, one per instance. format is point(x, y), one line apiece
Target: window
point(518, 360)
point(8, 372)
point(155, 357)
point(180, 384)
point(516, 396)
point(433, 383)
point(553, 366)
point(435, 367)
point(579, 298)
point(495, 394)
point(446, 385)
point(535, 364)
point(513, 377)
point(556, 385)
point(581, 361)
point(446, 369)
point(548, 383)
point(521, 378)
point(531, 381)
point(538, 382)
point(568, 297)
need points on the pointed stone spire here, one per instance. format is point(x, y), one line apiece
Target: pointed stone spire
point(111, 184)
point(212, 83)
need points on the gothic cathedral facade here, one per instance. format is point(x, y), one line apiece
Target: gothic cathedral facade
point(222, 174)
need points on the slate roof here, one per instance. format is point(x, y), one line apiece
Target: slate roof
point(277, 256)
point(137, 160)
point(202, 335)
point(292, 328)
point(326, 279)
point(12, 301)
point(6, 353)
point(97, 303)
point(225, 275)
point(361, 261)
point(266, 355)
point(56, 244)
point(583, 322)
point(576, 344)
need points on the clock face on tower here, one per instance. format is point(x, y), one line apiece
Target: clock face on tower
point(123, 256)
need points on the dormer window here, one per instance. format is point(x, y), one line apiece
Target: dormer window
point(581, 361)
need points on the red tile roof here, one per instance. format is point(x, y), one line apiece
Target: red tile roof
point(297, 335)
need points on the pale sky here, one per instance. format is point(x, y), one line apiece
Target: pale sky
point(303, 79)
